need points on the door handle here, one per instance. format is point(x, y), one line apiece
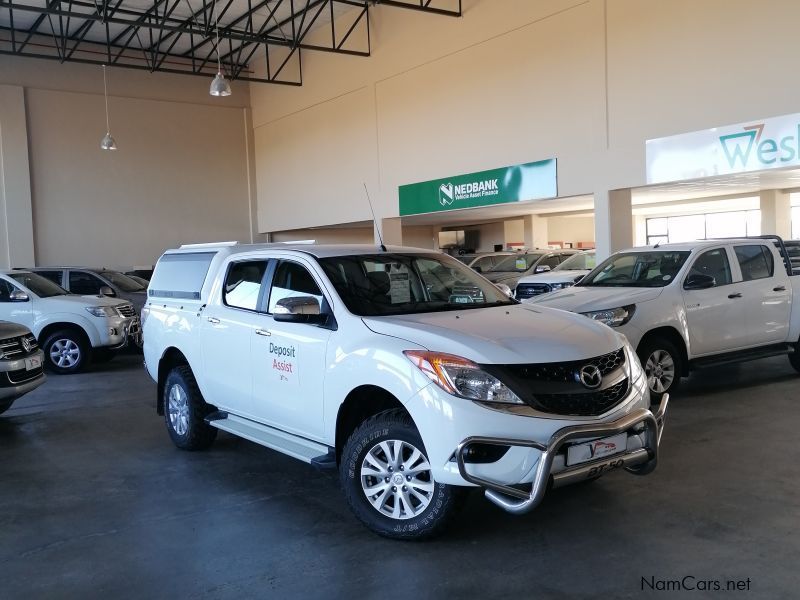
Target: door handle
point(732, 296)
point(213, 320)
point(780, 288)
point(264, 332)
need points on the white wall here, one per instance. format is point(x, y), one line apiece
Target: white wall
point(180, 173)
point(329, 235)
point(584, 81)
point(571, 229)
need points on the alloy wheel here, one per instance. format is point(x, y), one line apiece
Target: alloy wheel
point(65, 353)
point(660, 371)
point(178, 407)
point(396, 479)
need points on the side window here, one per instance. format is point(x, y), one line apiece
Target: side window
point(292, 280)
point(5, 291)
point(55, 276)
point(84, 284)
point(243, 284)
point(714, 263)
point(756, 262)
point(550, 261)
point(484, 263)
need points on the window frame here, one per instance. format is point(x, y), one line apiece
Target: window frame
point(727, 256)
point(266, 279)
point(764, 251)
point(326, 307)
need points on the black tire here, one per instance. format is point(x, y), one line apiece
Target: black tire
point(444, 502)
point(198, 435)
point(76, 346)
point(5, 405)
point(647, 349)
point(103, 355)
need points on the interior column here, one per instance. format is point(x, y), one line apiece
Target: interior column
point(535, 231)
point(776, 213)
point(16, 217)
point(613, 221)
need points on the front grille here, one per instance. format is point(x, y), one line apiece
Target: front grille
point(529, 290)
point(583, 404)
point(23, 375)
point(126, 310)
point(555, 387)
point(13, 348)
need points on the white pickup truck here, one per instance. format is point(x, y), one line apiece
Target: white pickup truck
point(692, 305)
point(70, 329)
point(412, 375)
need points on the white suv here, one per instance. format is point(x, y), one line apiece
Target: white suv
point(70, 329)
point(409, 373)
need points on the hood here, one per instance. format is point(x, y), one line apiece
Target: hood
point(514, 334)
point(554, 276)
point(588, 298)
point(8, 330)
point(87, 300)
point(502, 276)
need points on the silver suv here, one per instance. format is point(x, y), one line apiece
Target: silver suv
point(86, 281)
point(20, 363)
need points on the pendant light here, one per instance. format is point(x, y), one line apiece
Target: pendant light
point(220, 85)
point(107, 143)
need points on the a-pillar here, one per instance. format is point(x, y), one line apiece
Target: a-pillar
point(613, 221)
point(534, 229)
point(392, 232)
point(16, 219)
point(776, 213)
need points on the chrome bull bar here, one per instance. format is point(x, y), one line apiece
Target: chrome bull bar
point(639, 462)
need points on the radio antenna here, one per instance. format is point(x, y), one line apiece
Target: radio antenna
point(374, 220)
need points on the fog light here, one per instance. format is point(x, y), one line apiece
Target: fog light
point(112, 331)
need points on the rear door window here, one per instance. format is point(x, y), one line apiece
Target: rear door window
point(755, 261)
point(243, 284)
point(84, 284)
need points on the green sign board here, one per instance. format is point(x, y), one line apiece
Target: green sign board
point(532, 181)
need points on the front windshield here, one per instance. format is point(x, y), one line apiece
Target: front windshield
point(400, 284)
point(578, 262)
point(41, 286)
point(637, 269)
point(123, 282)
point(515, 262)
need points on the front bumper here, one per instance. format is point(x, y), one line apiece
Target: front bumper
point(120, 331)
point(639, 461)
point(17, 380)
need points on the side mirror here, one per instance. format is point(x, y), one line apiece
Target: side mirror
point(107, 291)
point(698, 281)
point(298, 309)
point(18, 296)
point(505, 289)
point(542, 269)
point(477, 269)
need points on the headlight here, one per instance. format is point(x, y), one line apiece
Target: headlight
point(102, 311)
point(635, 367)
point(461, 377)
point(614, 317)
point(561, 285)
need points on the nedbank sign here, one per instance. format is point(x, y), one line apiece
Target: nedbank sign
point(531, 181)
point(753, 146)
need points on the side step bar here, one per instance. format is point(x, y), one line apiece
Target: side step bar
point(286, 443)
point(742, 355)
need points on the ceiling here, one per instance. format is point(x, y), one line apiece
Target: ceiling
point(179, 36)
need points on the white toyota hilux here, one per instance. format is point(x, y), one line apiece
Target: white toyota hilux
point(692, 305)
point(402, 368)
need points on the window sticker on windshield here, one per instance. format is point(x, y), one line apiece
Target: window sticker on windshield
point(461, 299)
point(520, 264)
point(283, 362)
point(667, 277)
point(399, 285)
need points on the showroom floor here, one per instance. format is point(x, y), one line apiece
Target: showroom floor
point(96, 502)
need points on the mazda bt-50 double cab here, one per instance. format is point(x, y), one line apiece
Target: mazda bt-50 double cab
point(408, 372)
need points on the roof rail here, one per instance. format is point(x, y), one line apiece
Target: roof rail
point(209, 245)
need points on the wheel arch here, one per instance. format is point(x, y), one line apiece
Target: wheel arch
point(673, 336)
point(171, 358)
point(359, 405)
point(51, 328)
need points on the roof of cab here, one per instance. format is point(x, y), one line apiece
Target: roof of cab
point(317, 250)
point(697, 244)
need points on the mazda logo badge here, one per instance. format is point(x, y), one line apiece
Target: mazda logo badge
point(590, 376)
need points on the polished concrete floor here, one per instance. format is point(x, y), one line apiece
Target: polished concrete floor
point(95, 502)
